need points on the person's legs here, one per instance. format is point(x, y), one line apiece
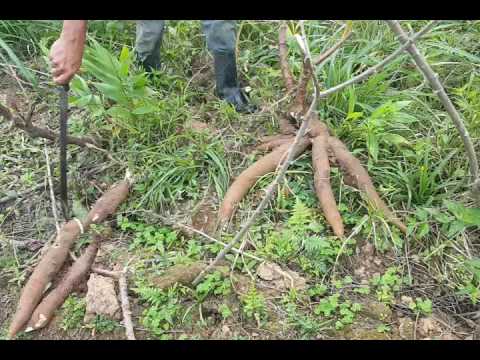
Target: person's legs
point(148, 43)
point(221, 38)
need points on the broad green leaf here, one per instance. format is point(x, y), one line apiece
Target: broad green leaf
point(146, 109)
point(423, 230)
point(372, 145)
point(119, 112)
point(82, 100)
point(79, 85)
point(469, 216)
point(110, 91)
point(22, 69)
point(124, 62)
point(394, 139)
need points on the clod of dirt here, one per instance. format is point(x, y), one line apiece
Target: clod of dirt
point(182, 274)
point(406, 328)
point(427, 327)
point(447, 336)
point(365, 334)
point(269, 271)
point(280, 279)
point(101, 298)
point(377, 311)
point(406, 300)
point(204, 219)
point(222, 333)
point(367, 263)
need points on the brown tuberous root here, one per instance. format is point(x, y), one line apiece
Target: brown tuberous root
point(56, 255)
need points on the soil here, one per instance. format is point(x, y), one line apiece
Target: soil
point(29, 222)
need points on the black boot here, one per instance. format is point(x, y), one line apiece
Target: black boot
point(151, 63)
point(227, 84)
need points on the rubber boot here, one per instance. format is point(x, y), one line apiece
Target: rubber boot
point(227, 86)
point(149, 34)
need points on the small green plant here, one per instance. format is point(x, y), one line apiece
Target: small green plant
point(333, 307)
point(73, 313)
point(383, 328)
point(363, 289)
point(317, 290)
point(471, 284)
point(254, 305)
point(154, 238)
point(163, 311)
point(387, 285)
point(103, 325)
point(225, 311)
point(306, 325)
point(421, 307)
point(214, 284)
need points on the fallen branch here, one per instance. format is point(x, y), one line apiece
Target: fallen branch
point(121, 277)
point(283, 52)
point(55, 256)
point(8, 198)
point(127, 314)
point(327, 54)
point(376, 68)
point(206, 236)
point(39, 132)
point(423, 66)
point(50, 184)
point(182, 274)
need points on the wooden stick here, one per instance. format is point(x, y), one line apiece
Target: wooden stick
point(376, 68)
point(423, 66)
point(36, 131)
point(127, 314)
point(50, 184)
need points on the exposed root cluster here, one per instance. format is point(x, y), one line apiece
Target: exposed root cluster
point(31, 308)
point(327, 150)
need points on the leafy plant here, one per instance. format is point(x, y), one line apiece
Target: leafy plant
point(225, 311)
point(103, 325)
point(471, 285)
point(73, 313)
point(387, 285)
point(214, 284)
point(420, 306)
point(254, 305)
point(343, 311)
point(154, 238)
point(163, 311)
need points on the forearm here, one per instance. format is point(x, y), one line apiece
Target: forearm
point(75, 31)
point(74, 27)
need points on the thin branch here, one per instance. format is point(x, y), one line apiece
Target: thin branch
point(50, 184)
point(376, 68)
point(423, 66)
point(39, 132)
point(326, 55)
point(127, 314)
point(307, 70)
point(21, 194)
point(278, 180)
point(283, 52)
point(206, 236)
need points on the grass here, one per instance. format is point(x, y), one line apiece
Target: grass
point(392, 123)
